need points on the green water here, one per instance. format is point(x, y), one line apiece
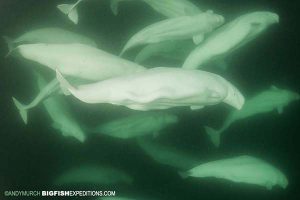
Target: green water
point(35, 155)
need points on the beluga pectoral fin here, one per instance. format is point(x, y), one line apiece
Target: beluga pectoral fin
point(65, 85)
point(214, 136)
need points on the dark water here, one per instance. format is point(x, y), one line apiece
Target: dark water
point(33, 155)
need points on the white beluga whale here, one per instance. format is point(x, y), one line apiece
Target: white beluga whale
point(241, 169)
point(178, 28)
point(168, 155)
point(59, 112)
point(78, 60)
point(93, 174)
point(159, 88)
point(136, 125)
point(70, 10)
point(49, 35)
point(170, 9)
point(266, 101)
point(230, 37)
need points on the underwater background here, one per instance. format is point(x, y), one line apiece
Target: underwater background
point(33, 155)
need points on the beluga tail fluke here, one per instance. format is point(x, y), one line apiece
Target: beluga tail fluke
point(51, 88)
point(70, 10)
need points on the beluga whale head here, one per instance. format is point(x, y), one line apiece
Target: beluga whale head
point(260, 21)
point(234, 96)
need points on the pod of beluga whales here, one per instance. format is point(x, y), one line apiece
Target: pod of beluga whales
point(81, 69)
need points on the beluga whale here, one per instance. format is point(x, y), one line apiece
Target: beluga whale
point(159, 88)
point(185, 27)
point(266, 101)
point(78, 60)
point(241, 169)
point(230, 37)
point(93, 175)
point(167, 154)
point(48, 35)
point(170, 9)
point(136, 125)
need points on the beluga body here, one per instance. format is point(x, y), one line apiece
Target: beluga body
point(230, 37)
point(78, 60)
point(159, 88)
point(136, 125)
point(93, 175)
point(170, 9)
point(49, 35)
point(266, 101)
point(178, 28)
point(241, 169)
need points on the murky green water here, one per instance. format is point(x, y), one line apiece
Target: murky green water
point(34, 156)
